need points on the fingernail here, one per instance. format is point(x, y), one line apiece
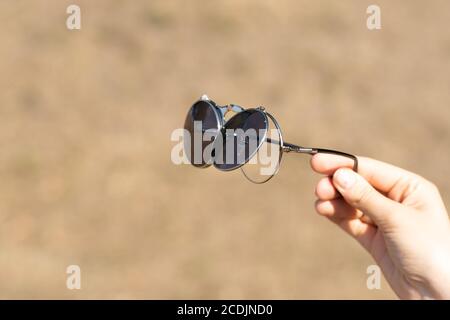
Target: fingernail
point(345, 178)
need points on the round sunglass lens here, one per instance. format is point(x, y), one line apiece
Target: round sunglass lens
point(202, 126)
point(242, 136)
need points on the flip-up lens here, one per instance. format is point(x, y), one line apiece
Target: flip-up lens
point(242, 136)
point(203, 125)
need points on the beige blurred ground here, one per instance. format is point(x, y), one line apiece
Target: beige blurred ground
point(86, 117)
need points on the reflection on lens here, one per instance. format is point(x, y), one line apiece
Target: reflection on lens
point(266, 162)
point(203, 124)
point(242, 135)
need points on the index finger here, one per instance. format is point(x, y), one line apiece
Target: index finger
point(381, 175)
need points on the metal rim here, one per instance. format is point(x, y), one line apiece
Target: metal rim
point(277, 126)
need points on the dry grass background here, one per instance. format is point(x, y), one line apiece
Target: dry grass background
point(86, 116)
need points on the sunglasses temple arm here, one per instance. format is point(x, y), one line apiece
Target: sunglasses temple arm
point(288, 147)
point(339, 153)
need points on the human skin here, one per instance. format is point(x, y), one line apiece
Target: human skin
point(397, 216)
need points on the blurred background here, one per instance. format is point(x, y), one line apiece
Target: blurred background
point(86, 116)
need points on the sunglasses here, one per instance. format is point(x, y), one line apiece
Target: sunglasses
point(249, 137)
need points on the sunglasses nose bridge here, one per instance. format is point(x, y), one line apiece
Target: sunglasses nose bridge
point(230, 107)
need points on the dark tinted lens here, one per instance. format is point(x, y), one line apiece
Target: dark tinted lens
point(194, 145)
point(243, 135)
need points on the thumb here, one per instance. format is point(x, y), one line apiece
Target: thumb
point(361, 195)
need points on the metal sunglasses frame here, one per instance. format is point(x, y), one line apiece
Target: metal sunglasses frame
point(285, 147)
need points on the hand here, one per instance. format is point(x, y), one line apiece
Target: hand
point(397, 216)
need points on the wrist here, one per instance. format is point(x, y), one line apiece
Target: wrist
point(439, 275)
